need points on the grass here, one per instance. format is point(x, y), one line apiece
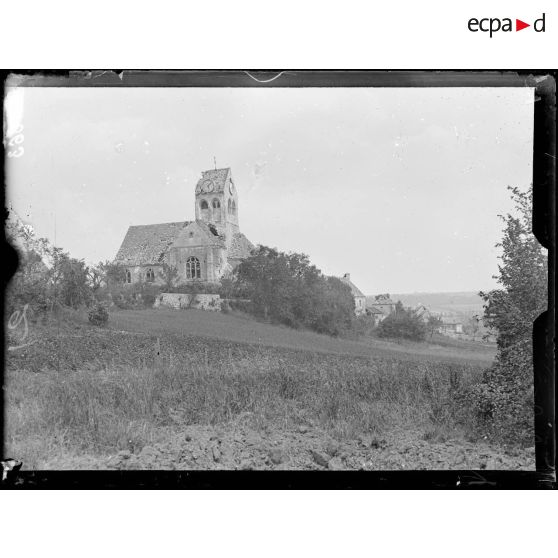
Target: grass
point(244, 329)
point(81, 389)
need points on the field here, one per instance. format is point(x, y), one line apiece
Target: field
point(198, 390)
point(243, 329)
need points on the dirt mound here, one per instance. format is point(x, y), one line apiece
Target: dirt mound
point(306, 448)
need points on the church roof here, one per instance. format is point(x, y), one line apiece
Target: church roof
point(148, 244)
point(212, 232)
point(218, 176)
point(240, 247)
point(354, 289)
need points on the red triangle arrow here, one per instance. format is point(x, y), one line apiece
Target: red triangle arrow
point(519, 25)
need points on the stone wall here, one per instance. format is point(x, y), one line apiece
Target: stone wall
point(209, 302)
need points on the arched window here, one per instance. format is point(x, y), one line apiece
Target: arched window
point(128, 276)
point(204, 208)
point(229, 207)
point(233, 209)
point(216, 204)
point(193, 269)
point(150, 276)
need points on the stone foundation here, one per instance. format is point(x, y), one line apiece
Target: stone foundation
point(179, 301)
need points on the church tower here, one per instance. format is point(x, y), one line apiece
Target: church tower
point(217, 201)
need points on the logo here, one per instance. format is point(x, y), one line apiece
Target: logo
point(493, 25)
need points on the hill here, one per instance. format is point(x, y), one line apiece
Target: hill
point(239, 328)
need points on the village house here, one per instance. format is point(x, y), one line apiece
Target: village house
point(451, 326)
point(423, 312)
point(202, 250)
point(376, 314)
point(360, 298)
point(381, 308)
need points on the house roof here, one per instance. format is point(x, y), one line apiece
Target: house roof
point(240, 247)
point(421, 309)
point(218, 176)
point(148, 244)
point(374, 310)
point(354, 289)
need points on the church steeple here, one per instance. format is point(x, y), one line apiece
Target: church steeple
point(217, 200)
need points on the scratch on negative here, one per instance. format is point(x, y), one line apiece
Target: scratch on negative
point(263, 80)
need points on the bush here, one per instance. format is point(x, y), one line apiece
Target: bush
point(504, 401)
point(364, 326)
point(128, 297)
point(195, 288)
point(148, 295)
point(98, 315)
point(241, 305)
point(404, 323)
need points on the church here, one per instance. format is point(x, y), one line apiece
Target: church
point(202, 250)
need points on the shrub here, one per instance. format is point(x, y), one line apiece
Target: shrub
point(504, 400)
point(196, 288)
point(98, 315)
point(404, 323)
point(241, 305)
point(364, 326)
point(148, 295)
point(127, 297)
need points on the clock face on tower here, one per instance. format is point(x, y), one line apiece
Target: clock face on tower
point(207, 186)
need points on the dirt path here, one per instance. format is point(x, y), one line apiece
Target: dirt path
point(239, 447)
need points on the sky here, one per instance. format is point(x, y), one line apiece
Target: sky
point(400, 187)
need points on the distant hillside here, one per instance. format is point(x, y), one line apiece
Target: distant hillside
point(461, 302)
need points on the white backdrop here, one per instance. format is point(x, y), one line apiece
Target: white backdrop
point(286, 34)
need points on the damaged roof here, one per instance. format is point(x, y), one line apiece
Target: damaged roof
point(211, 230)
point(217, 176)
point(148, 244)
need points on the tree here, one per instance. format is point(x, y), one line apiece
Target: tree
point(71, 280)
point(111, 274)
point(472, 326)
point(523, 275)
point(433, 323)
point(404, 323)
point(265, 277)
point(287, 288)
point(95, 276)
point(505, 397)
point(31, 284)
point(170, 273)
